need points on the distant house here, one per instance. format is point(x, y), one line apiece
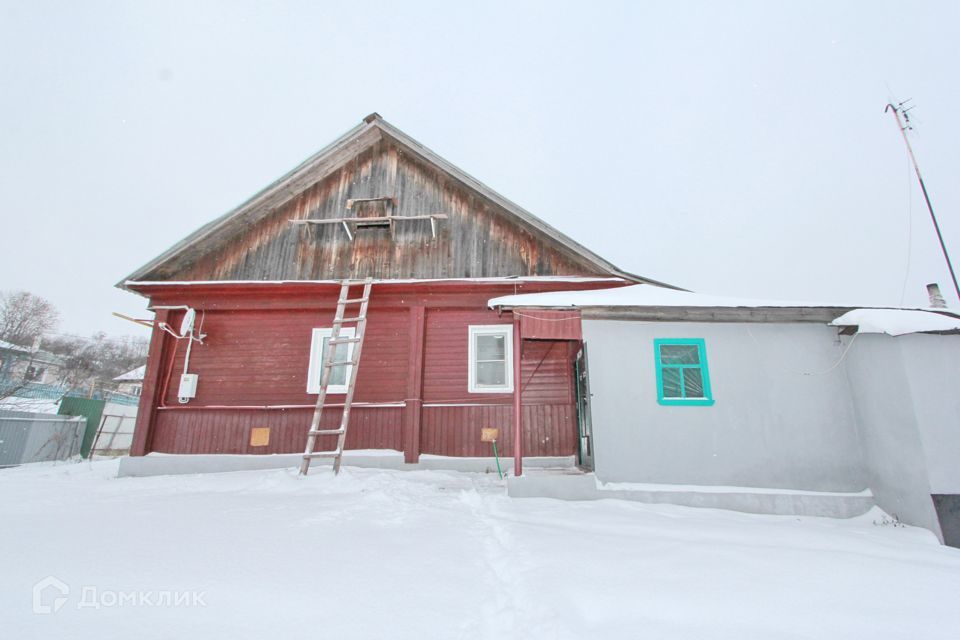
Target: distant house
point(131, 382)
point(22, 365)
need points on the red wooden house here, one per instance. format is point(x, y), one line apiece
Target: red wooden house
point(437, 364)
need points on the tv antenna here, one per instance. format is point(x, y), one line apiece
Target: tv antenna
point(901, 112)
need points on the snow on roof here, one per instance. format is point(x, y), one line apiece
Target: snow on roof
point(9, 346)
point(136, 374)
point(894, 322)
point(897, 322)
point(39, 356)
point(642, 295)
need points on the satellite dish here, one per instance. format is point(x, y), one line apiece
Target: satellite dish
point(186, 325)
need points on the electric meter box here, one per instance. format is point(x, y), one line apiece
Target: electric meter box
point(188, 385)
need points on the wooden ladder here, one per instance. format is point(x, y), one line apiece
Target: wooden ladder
point(329, 362)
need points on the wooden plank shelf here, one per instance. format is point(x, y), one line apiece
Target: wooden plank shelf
point(389, 220)
point(432, 216)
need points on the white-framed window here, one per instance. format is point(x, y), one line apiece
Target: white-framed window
point(319, 343)
point(490, 358)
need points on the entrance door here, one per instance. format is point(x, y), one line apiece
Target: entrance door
point(584, 424)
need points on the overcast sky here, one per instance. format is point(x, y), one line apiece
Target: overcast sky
point(730, 148)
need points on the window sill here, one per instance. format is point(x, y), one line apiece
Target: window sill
point(686, 402)
point(497, 390)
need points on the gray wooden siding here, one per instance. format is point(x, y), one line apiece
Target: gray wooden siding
point(479, 239)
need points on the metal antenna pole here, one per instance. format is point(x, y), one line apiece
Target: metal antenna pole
point(903, 131)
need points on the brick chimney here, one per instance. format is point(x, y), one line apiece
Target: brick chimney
point(936, 298)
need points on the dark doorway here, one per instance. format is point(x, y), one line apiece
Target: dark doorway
point(584, 422)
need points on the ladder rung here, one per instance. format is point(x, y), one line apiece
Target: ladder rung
point(323, 454)
point(337, 454)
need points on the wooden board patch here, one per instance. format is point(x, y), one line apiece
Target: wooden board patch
point(489, 434)
point(259, 436)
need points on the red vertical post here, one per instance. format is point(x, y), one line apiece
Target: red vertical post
point(517, 405)
point(152, 388)
point(414, 400)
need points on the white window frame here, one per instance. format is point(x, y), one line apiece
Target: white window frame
point(316, 364)
point(475, 330)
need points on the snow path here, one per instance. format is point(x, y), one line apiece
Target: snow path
point(513, 606)
point(432, 554)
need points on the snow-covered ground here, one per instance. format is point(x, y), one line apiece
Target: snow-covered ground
point(432, 554)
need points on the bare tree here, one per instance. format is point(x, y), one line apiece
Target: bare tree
point(25, 317)
point(74, 362)
point(97, 359)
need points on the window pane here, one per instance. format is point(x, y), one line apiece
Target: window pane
point(338, 375)
point(679, 354)
point(693, 382)
point(490, 374)
point(491, 347)
point(671, 383)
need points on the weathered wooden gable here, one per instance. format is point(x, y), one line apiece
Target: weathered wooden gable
point(478, 239)
point(484, 235)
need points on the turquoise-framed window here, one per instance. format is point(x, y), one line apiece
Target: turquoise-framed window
point(683, 377)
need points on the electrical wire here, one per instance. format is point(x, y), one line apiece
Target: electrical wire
point(836, 364)
point(524, 315)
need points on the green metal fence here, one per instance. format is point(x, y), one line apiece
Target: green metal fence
point(91, 409)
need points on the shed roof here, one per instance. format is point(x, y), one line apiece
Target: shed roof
point(132, 376)
point(649, 302)
point(9, 346)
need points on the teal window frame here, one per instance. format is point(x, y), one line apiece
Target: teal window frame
point(707, 399)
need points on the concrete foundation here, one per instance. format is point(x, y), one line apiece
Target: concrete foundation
point(584, 486)
point(162, 464)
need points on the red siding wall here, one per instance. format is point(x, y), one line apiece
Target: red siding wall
point(453, 417)
point(260, 357)
point(253, 373)
point(550, 325)
point(225, 431)
point(445, 364)
point(549, 430)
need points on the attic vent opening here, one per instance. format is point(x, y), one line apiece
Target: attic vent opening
point(374, 224)
point(372, 213)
